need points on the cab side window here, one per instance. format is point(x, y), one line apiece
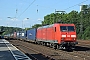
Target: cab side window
point(55, 29)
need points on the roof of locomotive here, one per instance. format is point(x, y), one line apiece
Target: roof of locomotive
point(52, 25)
point(65, 24)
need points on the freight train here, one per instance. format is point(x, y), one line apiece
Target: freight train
point(58, 36)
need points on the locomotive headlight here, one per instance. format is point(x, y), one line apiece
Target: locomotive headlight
point(73, 39)
point(73, 35)
point(63, 35)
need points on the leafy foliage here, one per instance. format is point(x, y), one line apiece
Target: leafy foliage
point(9, 30)
point(36, 25)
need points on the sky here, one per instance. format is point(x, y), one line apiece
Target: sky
point(26, 13)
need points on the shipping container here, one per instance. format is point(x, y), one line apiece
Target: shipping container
point(14, 35)
point(31, 34)
point(18, 34)
point(23, 35)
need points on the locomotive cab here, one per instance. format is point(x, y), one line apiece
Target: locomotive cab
point(68, 33)
point(65, 34)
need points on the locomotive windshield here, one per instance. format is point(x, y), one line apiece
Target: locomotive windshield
point(67, 28)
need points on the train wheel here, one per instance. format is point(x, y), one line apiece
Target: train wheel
point(45, 44)
point(57, 46)
point(41, 43)
point(51, 45)
point(61, 47)
point(54, 46)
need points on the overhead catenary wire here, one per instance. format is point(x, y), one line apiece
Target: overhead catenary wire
point(16, 12)
point(63, 9)
point(75, 5)
point(26, 8)
point(17, 9)
point(50, 7)
point(47, 7)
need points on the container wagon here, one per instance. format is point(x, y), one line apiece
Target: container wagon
point(14, 35)
point(22, 35)
point(31, 34)
point(18, 35)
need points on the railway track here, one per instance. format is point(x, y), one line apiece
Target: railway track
point(29, 55)
point(83, 54)
point(36, 54)
point(84, 43)
point(33, 54)
point(78, 55)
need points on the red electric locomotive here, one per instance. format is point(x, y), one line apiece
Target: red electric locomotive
point(57, 35)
